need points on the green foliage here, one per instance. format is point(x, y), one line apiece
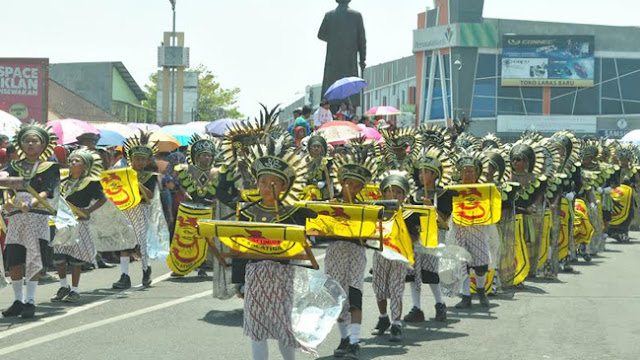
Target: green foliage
point(214, 102)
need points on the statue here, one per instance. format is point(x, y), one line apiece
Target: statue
point(343, 31)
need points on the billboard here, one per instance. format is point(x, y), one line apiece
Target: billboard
point(24, 87)
point(548, 60)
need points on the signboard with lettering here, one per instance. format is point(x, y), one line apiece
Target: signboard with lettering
point(456, 35)
point(24, 88)
point(548, 61)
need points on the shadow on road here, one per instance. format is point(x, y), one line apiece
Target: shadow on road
point(224, 318)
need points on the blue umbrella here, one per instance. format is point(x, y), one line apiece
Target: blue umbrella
point(182, 133)
point(344, 88)
point(110, 138)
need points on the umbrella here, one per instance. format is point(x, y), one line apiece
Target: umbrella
point(371, 133)
point(9, 124)
point(345, 87)
point(110, 138)
point(166, 142)
point(339, 132)
point(200, 125)
point(383, 111)
point(144, 127)
point(121, 129)
point(182, 133)
point(632, 137)
point(67, 130)
point(220, 127)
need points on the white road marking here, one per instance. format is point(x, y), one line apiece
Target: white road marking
point(77, 310)
point(96, 324)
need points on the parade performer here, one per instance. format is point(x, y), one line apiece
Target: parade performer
point(527, 164)
point(592, 194)
point(432, 170)
point(139, 152)
point(320, 166)
point(83, 191)
point(28, 231)
point(400, 148)
point(568, 148)
point(199, 181)
point(346, 260)
point(389, 275)
point(268, 285)
point(625, 193)
point(472, 168)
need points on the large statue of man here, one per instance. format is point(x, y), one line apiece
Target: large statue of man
point(343, 31)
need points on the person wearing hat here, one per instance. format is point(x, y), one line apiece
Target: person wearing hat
point(346, 261)
point(89, 140)
point(277, 172)
point(472, 168)
point(323, 114)
point(83, 191)
point(28, 230)
point(139, 152)
point(400, 148)
point(389, 275)
point(432, 170)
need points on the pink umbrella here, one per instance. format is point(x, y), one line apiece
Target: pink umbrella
point(383, 111)
point(371, 133)
point(67, 130)
point(339, 132)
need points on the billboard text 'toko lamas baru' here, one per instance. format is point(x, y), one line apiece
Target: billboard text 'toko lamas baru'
point(24, 87)
point(548, 60)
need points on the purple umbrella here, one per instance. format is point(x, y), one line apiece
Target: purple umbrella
point(345, 87)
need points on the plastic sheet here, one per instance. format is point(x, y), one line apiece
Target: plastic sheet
point(67, 229)
point(157, 231)
point(110, 229)
point(318, 302)
point(452, 268)
point(507, 265)
point(223, 288)
point(3, 280)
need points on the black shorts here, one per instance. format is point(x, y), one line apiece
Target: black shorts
point(66, 259)
point(17, 254)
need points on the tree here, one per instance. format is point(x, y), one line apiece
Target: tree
point(214, 102)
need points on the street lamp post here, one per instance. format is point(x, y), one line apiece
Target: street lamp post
point(456, 101)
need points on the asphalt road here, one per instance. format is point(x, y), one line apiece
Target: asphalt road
point(591, 314)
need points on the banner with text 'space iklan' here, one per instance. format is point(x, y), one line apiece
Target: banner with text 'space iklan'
point(24, 87)
point(548, 60)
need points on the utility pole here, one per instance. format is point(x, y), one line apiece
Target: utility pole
point(172, 71)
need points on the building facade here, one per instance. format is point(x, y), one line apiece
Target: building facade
point(108, 85)
point(512, 75)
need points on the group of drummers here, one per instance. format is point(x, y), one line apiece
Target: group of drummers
point(516, 211)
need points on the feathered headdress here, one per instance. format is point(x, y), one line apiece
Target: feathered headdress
point(570, 146)
point(590, 148)
point(625, 151)
point(499, 159)
point(491, 141)
point(276, 158)
point(435, 135)
point(43, 132)
point(478, 160)
point(140, 145)
point(531, 153)
point(405, 139)
point(468, 142)
point(245, 134)
point(360, 162)
point(437, 160)
point(200, 144)
point(91, 159)
point(400, 179)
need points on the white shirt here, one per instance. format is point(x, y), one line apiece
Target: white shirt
point(321, 117)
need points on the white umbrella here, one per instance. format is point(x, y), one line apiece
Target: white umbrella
point(220, 127)
point(632, 136)
point(9, 124)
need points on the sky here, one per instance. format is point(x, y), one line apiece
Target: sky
point(267, 48)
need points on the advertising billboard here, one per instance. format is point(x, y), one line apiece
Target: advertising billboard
point(24, 88)
point(548, 61)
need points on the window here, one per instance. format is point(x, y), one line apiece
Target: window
point(510, 107)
